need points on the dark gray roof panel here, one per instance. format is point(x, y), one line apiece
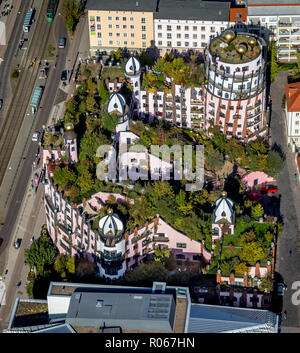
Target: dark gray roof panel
point(193, 10)
point(131, 311)
point(122, 5)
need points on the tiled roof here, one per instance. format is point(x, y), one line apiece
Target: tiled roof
point(292, 93)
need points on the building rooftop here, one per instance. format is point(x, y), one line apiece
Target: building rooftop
point(273, 7)
point(229, 52)
point(122, 5)
point(221, 319)
point(292, 93)
point(193, 10)
point(30, 313)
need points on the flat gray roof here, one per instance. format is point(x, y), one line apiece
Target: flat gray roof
point(193, 10)
point(147, 312)
point(274, 11)
point(122, 5)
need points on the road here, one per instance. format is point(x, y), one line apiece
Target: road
point(9, 59)
point(287, 265)
point(29, 149)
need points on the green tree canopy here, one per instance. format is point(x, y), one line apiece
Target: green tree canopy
point(274, 164)
point(72, 10)
point(146, 274)
point(252, 252)
point(64, 176)
point(214, 159)
point(257, 211)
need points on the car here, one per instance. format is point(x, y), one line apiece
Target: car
point(35, 136)
point(271, 189)
point(62, 42)
point(64, 75)
point(17, 243)
point(281, 288)
point(1, 103)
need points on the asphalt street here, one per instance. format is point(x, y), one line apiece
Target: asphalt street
point(287, 265)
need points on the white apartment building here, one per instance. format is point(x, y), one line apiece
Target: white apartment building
point(280, 20)
point(292, 113)
point(183, 25)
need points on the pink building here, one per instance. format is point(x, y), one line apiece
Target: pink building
point(256, 178)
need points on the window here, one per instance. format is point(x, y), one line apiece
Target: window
point(117, 18)
point(238, 15)
point(297, 114)
point(212, 29)
point(263, 20)
point(124, 18)
point(109, 26)
point(124, 27)
point(131, 19)
point(203, 28)
point(178, 35)
point(131, 26)
point(180, 257)
point(186, 36)
point(203, 44)
point(99, 35)
point(98, 18)
point(180, 245)
point(117, 26)
point(245, 68)
point(144, 44)
point(110, 34)
point(111, 42)
point(143, 28)
point(202, 36)
point(125, 42)
point(132, 43)
point(194, 36)
point(159, 27)
point(159, 42)
point(178, 44)
point(109, 18)
point(159, 35)
point(194, 28)
point(186, 28)
point(296, 131)
point(98, 27)
point(195, 44)
point(143, 20)
point(169, 28)
point(118, 42)
point(187, 44)
point(125, 35)
point(132, 35)
point(169, 44)
point(169, 35)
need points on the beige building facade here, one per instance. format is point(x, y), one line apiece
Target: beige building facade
point(110, 30)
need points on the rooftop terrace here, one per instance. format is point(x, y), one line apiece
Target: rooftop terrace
point(231, 52)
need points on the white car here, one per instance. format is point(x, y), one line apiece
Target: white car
point(35, 136)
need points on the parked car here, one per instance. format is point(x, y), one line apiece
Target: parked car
point(17, 243)
point(281, 288)
point(271, 189)
point(35, 136)
point(64, 75)
point(62, 42)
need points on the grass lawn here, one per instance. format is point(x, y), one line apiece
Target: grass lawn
point(112, 72)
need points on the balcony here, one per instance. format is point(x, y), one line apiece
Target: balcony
point(169, 99)
point(64, 246)
point(117, 257)
point(161, 237)
point(212, 112)
point(196, 102)
point(288, 24)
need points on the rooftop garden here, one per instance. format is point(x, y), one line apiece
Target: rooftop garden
point(228, 51)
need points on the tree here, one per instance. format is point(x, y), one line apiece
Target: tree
point(273, 61)
point(296, 71)
point(274, 164)
point(214, 159)
point(256, 147)
point(63, 176)
point(198, 198)
point(85, 268)
point(103, 92)
point(109, 122)
point(182, 205)
point(252, 252)
point(266, 284)
point(248, 237)
point(241, 268)
point(91, 104)
point(145, 59)
point(146, 274)
point(72, 10)
point(258, 162)
point(41, 255)
point(257, 211)
point(161, 254)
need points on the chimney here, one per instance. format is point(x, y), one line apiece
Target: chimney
point(245, 279)
point(269, 267)
point(219, 276)
point(146, 225)
point(257, 269)
point(231, 278)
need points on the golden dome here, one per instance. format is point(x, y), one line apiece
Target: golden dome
point(224, 193)
point(69, 127)
point(252, 42)
point(110, 211)
point(242, 48)
point(228, 36)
